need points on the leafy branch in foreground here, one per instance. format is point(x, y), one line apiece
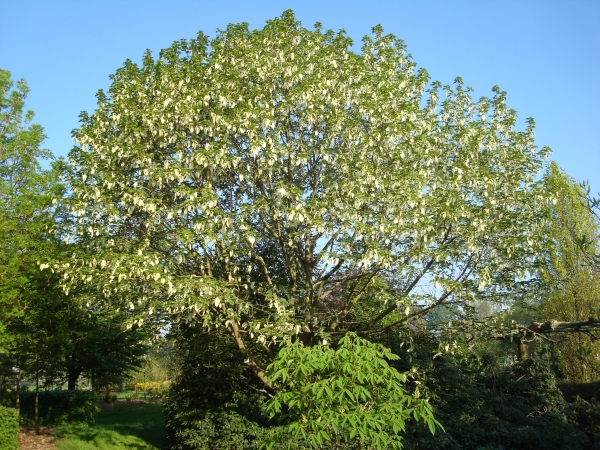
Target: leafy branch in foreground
point(347, 394)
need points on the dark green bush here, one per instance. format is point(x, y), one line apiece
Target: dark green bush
point(587, 416)
point(483, 403)
point(590, 392)
point(60, 407)
point(214, 404)
point(515, 407)
point(9, 428)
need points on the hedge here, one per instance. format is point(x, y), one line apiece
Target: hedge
point(9, 428)
point(60, 407)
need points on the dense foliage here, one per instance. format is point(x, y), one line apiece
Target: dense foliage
point(480, 401)
point(9, 428)
point(516, 407)
point(325, 401)
point(100, 348)
point(46, 334)
point(216, 402)
point(60, 407)
point(26, 193)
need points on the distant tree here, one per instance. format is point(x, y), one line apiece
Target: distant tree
point(160, 363)
point(44, 332)
point(26, 193)
point(103, 350)
point(26, 221)
point(577, 296)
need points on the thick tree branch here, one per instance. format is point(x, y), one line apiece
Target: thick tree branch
point(393, 307)
point(556, 326)
point(256, 368)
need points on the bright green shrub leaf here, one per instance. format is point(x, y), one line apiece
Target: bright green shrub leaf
point(355, 405)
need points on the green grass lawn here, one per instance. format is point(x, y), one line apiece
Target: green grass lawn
point(120, 426)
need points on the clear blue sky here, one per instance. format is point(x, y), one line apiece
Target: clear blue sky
point(545, 54)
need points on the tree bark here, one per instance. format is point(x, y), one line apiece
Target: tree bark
point(18, 392)
point(37, 391)
point(557, 326)
point(257, 369)
point(73, 376)
point(523, 351)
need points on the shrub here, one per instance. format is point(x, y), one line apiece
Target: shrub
point(587, 416)
point(212, 405)
point(154, 389)
point(590, 392)
point(60, 407)
point(343, 396)
point(9, 428)
point(516, 407)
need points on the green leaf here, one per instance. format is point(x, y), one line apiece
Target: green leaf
point(431, 426)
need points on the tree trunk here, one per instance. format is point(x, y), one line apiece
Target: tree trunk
point(37, 392)
point(525, 339)
point(523, 351)
point(73, 376)
point(18, 392)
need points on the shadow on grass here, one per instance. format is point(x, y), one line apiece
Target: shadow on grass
point(124, 425)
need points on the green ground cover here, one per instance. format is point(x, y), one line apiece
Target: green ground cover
point(121, 425)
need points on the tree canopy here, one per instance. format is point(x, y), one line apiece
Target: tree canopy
point(45, 332)
point(577, 293)
point(262, 181)
point(26, 193)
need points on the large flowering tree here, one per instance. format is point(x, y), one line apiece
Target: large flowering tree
point(277, 183)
